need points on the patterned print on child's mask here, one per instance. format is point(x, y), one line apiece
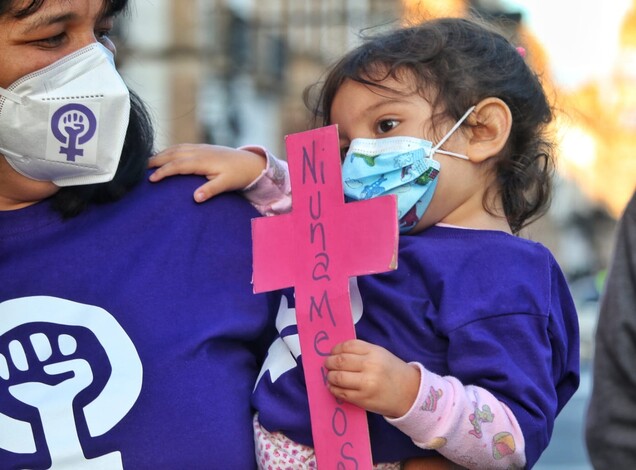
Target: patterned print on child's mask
point(403, 166)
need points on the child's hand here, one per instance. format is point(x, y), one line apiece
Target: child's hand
point(227, 169)
point(372, 378)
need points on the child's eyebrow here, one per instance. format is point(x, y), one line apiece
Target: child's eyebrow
point(382, 104)
point(385, 102)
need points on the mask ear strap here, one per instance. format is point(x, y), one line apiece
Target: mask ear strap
point(449, 133)
point(11, 96)
point(452, 154)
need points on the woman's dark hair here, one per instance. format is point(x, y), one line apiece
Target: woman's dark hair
point(456, 63)
point(138, 146)
point(111, 7)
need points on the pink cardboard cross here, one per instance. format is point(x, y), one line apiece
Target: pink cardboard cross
point(316, 248)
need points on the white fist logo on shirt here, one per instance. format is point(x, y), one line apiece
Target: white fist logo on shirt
point(55, 375)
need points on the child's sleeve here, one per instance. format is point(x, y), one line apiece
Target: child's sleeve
point(270, 193)
point(448, 416)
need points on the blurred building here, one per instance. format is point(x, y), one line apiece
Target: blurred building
point(233, 71)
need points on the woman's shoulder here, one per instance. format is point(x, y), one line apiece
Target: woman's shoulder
point(173, 198)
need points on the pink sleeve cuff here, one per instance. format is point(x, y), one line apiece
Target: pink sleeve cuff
point(270, 193)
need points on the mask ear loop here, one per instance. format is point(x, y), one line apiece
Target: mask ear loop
point(436, 149)
point(11, 96)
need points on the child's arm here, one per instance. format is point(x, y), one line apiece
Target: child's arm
point(436, 412)
point(263, 178)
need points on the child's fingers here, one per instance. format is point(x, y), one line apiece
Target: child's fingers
point(180, 166)
point(157, 160)
point(162, 171)
point(344, 361)
point(353, 346)
point(212, 188)
point(169, 154)
point(344, 380)
point(163, 159)
point(160, 159)
point(180, 152)
point(345, 394)
point(222, 182)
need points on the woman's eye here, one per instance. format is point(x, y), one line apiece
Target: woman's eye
point(103, 35)
point(53, 41)
point(104, 29)
point(387, 125)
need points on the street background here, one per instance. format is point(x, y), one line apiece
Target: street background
point(232, 72)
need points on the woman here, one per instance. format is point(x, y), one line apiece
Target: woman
point(129, 335)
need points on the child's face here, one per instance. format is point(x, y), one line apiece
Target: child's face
point(361, 111)
point(372, 113)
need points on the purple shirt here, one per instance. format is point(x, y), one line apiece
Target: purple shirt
point(130, 334)
point(488, 308)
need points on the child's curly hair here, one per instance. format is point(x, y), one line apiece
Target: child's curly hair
point(455, 63)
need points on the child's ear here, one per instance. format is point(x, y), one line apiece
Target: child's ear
point(490, 125)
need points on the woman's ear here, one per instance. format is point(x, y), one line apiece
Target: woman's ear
point(490, 125)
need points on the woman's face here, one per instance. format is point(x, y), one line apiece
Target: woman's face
point(56, 29)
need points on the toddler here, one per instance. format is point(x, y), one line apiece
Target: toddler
point(469, 349)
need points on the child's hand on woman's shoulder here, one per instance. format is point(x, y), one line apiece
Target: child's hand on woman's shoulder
point(226, 168)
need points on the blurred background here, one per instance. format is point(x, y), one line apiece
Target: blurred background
point(232, 72)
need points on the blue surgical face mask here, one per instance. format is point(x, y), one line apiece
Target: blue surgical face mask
point(403, 166)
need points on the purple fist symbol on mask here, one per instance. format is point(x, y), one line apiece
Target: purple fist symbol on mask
point(73, 125)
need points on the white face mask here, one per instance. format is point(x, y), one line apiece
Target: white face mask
point(67, 122)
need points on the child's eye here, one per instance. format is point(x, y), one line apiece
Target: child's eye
point(386, 125)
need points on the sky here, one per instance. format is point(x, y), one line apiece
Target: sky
point(580, 36)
